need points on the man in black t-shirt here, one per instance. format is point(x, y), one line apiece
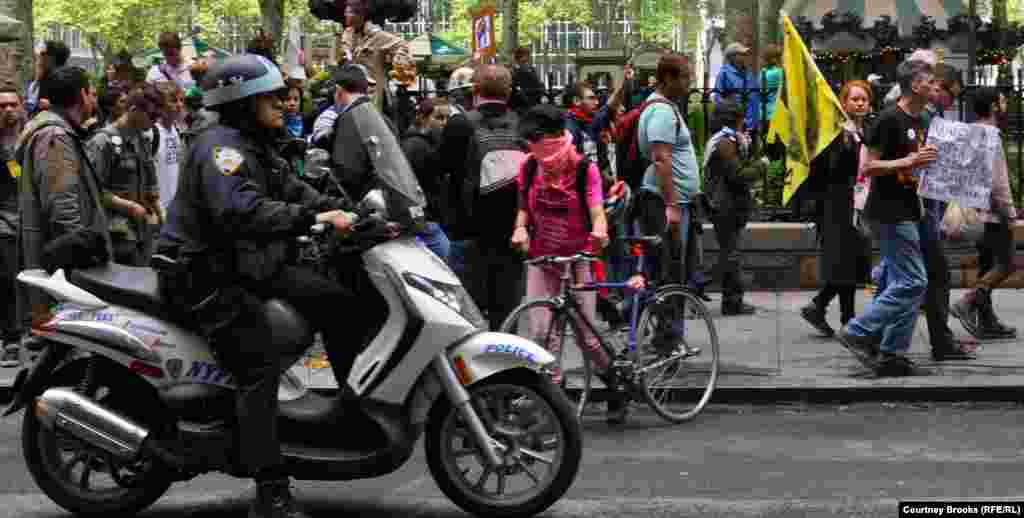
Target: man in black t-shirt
point(880, 337)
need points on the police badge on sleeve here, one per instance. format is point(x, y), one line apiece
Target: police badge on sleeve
point(228, 160)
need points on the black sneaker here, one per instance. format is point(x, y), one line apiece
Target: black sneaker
point(997, 331)
point(955, 351)
point(618, 409)
point(863, 348)
point(969, 316)
point(896, 366)
point(815, 316)
point(274, 500)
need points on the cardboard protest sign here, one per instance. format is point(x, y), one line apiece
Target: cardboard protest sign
point(963, 170)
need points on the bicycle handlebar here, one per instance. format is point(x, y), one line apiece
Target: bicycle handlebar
point(554, 259)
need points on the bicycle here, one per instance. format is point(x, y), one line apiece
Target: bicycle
point(661, 327)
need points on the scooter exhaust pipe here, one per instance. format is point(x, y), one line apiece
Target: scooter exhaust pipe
point(89, 421)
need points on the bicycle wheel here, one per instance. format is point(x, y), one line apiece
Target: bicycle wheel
point(562, 332)
point(676, 356)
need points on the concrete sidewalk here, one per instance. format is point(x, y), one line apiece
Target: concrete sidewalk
point(775, 355)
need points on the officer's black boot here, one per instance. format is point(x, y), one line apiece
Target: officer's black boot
point(274, 500)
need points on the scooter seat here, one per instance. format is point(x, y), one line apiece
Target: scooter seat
point(131, 286)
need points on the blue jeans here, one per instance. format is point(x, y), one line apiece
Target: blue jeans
point(436, 240)
point(891, 315)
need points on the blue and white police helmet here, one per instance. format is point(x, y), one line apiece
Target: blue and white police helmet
point(240, 77)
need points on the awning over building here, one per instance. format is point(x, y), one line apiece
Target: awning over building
point(906, 14)
point(437, 50)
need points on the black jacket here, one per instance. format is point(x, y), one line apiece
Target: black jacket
point(239, 207)
point(421, 148)
point(352, 165)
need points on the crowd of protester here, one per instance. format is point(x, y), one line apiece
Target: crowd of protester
point(509, 174)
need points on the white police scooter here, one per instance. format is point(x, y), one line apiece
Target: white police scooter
point(126, 399)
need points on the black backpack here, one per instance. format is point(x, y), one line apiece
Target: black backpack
point(581, 183)
point(495, 150)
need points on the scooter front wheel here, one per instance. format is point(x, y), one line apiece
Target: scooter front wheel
point(542, 445)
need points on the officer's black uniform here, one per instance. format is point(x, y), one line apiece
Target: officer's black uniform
point(239, 226)
point(237, 212)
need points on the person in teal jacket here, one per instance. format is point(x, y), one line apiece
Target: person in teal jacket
point(771, 78)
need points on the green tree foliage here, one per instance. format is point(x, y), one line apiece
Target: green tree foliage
point(110, 25)
point(653, 21)
point(532, 16)
point(113, 25)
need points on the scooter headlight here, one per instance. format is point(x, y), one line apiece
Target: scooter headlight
point(452, 295)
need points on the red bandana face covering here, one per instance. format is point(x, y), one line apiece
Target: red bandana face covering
point(554, 154)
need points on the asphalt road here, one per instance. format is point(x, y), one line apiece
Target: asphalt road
point(772, 460)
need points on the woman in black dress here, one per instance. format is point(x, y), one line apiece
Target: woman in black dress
point(845, 252)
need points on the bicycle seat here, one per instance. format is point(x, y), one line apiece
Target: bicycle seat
point(643, 240)
point(554, 259)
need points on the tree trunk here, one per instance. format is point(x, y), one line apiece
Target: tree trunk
point(272, 20)
point(23, 68)
point(510, 27)
point(1000, 15)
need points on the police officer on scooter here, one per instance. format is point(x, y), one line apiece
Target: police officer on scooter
point(233, 223)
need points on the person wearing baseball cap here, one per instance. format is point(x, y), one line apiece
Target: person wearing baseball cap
point(351, 82)
point(460, 90)
point(735, 78)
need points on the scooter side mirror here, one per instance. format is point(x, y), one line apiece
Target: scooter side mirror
point(374, 202)
point(317, 163)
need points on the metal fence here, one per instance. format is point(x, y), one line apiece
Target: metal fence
point(700, 113)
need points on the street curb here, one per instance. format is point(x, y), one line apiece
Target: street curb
point(844, 395)
point(819, 395)
point(837, 395)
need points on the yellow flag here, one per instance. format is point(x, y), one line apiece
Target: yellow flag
point(14, 169)
point(807, 114)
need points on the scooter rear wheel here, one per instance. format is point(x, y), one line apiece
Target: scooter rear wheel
point(535, 422)
point(81, 478)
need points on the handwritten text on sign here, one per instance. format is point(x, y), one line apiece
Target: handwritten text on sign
point(963, 170)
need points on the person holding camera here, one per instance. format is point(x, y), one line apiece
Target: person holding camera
point(366, 43)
